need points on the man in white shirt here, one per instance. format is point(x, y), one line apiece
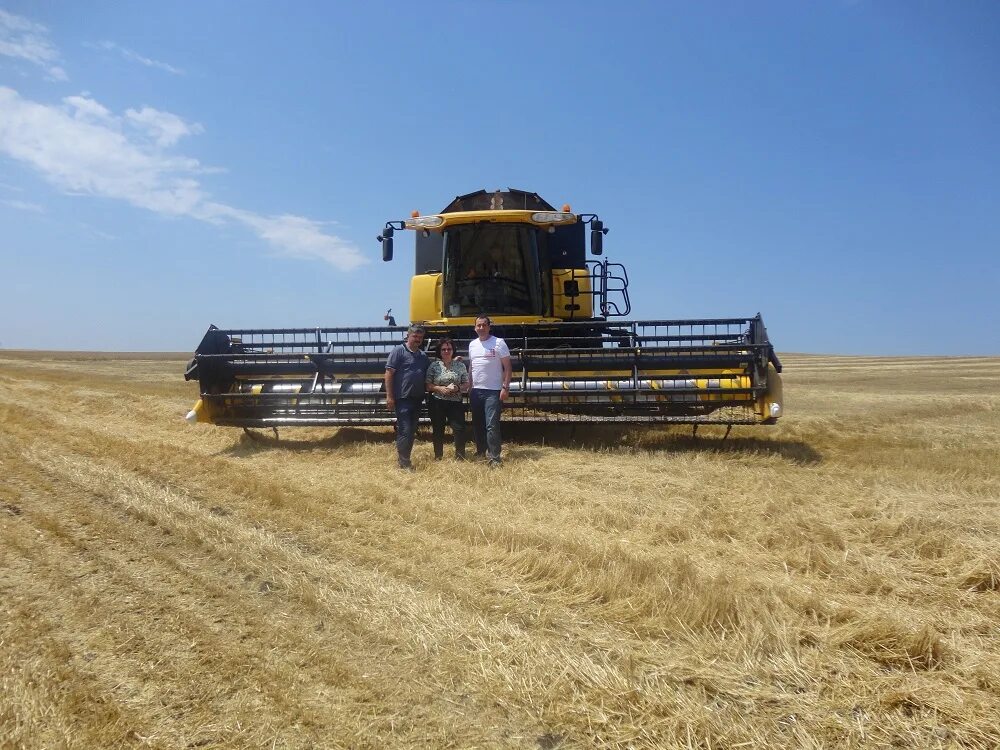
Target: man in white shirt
point(490, 370)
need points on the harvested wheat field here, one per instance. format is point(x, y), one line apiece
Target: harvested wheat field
point(833, 581)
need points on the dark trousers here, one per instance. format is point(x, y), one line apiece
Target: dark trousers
point(485, 406)
point(407, 416)
point(452, 413)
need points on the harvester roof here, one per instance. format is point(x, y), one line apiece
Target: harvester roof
point(498, 200)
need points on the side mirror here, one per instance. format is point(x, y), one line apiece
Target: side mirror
point(597, 231)
point(386, 239)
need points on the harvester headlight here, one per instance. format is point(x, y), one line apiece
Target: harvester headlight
point(775, 409)
point(424, 222)
point(553, 217)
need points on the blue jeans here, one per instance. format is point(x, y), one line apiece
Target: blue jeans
point(407, 416)
point(485, 406)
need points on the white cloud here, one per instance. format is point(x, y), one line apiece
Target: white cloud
point(79, 147)
point(136, 57)
point(293, 236)
point(89, 110)
point(82, 147)
point(23, 206)
point(165, 128)
point(26, 40)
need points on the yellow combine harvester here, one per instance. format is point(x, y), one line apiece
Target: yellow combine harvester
point(510, 255)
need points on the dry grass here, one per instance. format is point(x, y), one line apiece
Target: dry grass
point(831, 582)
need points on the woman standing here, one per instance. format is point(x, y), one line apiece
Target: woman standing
point(447, 380)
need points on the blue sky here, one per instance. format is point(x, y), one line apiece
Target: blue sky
point(832, 165)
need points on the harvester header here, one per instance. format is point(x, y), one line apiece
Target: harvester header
point(514, 257)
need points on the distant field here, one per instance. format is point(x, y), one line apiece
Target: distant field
point(833, 581)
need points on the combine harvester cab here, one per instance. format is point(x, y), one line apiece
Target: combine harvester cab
point(512, 256)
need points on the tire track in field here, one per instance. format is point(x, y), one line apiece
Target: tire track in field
point(270, 631)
